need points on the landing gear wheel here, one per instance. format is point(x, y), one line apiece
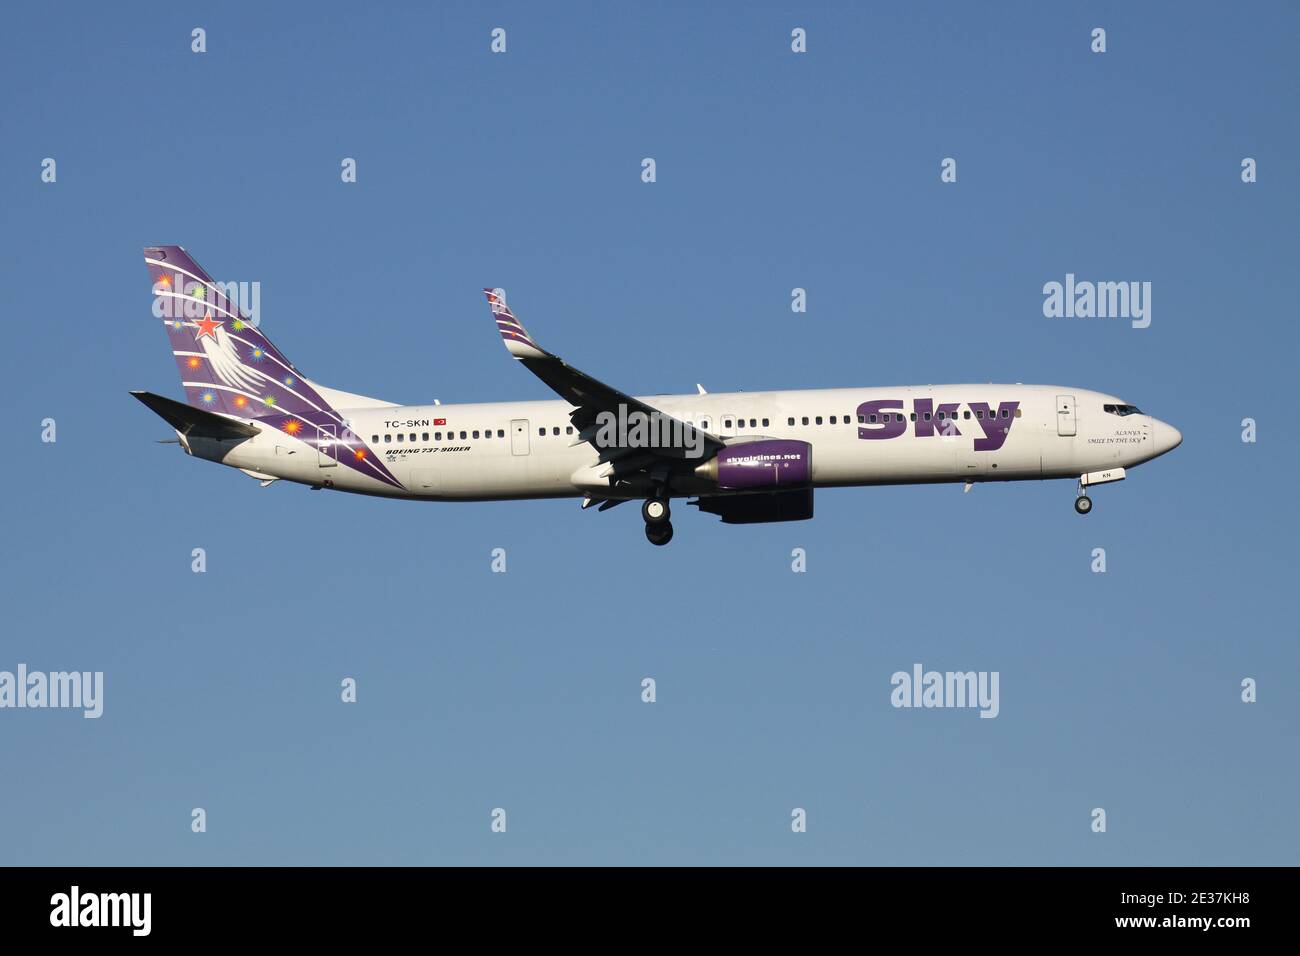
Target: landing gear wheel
point(660, 533)
point(1083, 504)
point(655, 511)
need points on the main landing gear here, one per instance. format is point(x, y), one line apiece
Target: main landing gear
point(1082, 503)
point(658, 527)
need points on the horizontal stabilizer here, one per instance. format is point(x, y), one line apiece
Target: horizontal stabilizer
point(195, 422)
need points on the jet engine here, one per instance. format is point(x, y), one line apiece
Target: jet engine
point(765, 465)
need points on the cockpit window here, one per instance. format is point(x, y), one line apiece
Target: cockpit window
point(1122, 410)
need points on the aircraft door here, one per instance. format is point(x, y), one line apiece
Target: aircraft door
point(325, 446)
point(1065, 415)
point(519, 436)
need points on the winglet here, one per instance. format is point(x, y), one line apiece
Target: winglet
point(518, 342)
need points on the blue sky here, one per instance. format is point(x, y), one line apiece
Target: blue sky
point(522, 690)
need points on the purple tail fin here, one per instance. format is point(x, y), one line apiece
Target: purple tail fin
point(226, 363)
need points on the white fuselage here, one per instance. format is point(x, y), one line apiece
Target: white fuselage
point(530, 450)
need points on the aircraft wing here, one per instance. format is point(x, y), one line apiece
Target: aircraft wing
point(590, 397)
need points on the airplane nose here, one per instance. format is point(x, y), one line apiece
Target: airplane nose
point(1164, 437)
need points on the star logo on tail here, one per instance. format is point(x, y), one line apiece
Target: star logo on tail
point(207, 326)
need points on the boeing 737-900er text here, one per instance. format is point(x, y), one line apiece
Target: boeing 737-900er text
point(747, 457)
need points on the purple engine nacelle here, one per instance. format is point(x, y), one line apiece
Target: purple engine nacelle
point(760, 465)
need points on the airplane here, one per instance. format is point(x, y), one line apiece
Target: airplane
point(747, 457)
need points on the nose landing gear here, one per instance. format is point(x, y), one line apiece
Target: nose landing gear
point(658, 527)
point(1082, 503)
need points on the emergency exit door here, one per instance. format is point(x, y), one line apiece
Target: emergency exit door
point(519, 436)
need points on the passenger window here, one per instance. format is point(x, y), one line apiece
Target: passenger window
point(374, 439)
point(726, 423)
point(388, 439)
point(399, 436)
point(789, 421)
point(872, 419)
point(979, 413)
point(568, 429)
point(819, 419)
point(805, 419)
point(940, 416)
point(424, 437)
point(1005, 413)
point(541, 431)
point(1018, 411)
point(476, 434)
point(765, 423)
point(704, 423)
point(927, 416)
point(555, 430)
point(412, 436)
point(833, 421)
point(462, 436)
point(966, 415)
point(437, 436)
point(501, 433)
